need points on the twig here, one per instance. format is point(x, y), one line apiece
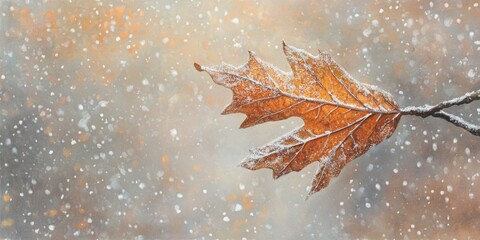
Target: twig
point(436, 111)
point(427, 110)
point(459, 122)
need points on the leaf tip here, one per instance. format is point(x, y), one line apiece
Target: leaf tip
point(248, 122)
point(309, 194)
point(289, 51)
point(285, 46)
point(229, 109)
point(324, 55)
point(246, 164)
point(198, 67)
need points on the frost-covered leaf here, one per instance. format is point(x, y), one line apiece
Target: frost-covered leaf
point(343, 118)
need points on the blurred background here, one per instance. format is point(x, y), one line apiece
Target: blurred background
point(107, 131)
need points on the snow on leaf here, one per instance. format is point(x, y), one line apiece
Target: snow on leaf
point(343, 118)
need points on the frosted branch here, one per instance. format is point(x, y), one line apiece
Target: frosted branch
point(437, 111)
point(459, 122)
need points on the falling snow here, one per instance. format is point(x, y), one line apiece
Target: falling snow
point(108, 132)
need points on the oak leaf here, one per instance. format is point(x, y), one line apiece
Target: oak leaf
point(343, 118)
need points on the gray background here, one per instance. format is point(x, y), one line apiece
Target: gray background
point(107, 130)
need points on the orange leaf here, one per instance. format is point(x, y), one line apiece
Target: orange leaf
point(343, 118)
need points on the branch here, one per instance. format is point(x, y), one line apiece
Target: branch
point(459, 122)
point(436, 111)
point(427, 110)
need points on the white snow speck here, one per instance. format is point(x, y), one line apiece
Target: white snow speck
point(177, 209)
point(173, 132)
point(367, 32)
point(84, 121)
point(448, 22)
point(369, 167)
point(145, 108)
point(419, 164)
point(471, 73)
point(238, 207)
point(103, 103)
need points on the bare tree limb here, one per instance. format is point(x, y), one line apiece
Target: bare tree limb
point(458, 121)
point(436, 111)
point(427, 110)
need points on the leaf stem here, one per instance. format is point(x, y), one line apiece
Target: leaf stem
point(437, 111)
